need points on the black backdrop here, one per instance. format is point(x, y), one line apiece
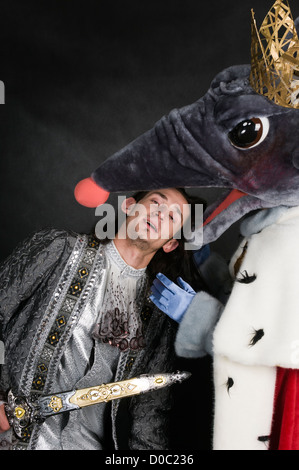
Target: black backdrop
point(84, 78)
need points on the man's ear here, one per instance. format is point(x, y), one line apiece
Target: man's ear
point(170, 245)
point(127, 205)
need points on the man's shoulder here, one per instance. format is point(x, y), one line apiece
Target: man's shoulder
point(50, 236)
point(51, 233)
point(47, 240)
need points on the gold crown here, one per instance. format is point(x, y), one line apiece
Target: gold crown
point(275, 56)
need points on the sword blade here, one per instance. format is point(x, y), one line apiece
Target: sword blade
point(75, 399)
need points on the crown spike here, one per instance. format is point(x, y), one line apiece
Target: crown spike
point(275, 56)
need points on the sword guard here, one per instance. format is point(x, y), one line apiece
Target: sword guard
point(21, 412)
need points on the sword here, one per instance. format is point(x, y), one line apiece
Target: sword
point(23, 411)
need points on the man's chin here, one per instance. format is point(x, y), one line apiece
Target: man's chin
point(145, 242)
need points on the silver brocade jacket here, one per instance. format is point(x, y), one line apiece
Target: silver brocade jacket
point(42, 294)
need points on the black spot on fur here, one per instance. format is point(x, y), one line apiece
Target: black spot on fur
point(246, 279)
point(257, 337)
point(230, 382)
point(263, 438)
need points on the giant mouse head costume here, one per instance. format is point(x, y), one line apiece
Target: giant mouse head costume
point(242, 135)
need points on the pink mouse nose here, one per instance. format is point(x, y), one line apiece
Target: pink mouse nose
point(89, 194)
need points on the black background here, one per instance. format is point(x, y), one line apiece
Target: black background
point(84, 78)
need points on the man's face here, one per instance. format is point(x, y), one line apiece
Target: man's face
point(157, 217)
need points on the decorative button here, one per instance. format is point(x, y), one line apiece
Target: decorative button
point(60, 321)
point(53, 338)
point(83, 272)
point(75, 289)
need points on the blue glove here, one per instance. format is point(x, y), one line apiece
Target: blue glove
point(170, 298)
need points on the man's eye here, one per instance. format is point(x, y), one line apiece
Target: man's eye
point(249, 133)
point(154, 201)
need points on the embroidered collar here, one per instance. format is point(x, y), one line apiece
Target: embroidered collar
point(125, 269)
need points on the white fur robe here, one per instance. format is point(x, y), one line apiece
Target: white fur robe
point(258, 330)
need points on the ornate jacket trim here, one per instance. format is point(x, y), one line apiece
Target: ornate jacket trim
point(57, 324)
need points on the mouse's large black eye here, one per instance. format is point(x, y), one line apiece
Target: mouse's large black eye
point(249, 133)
